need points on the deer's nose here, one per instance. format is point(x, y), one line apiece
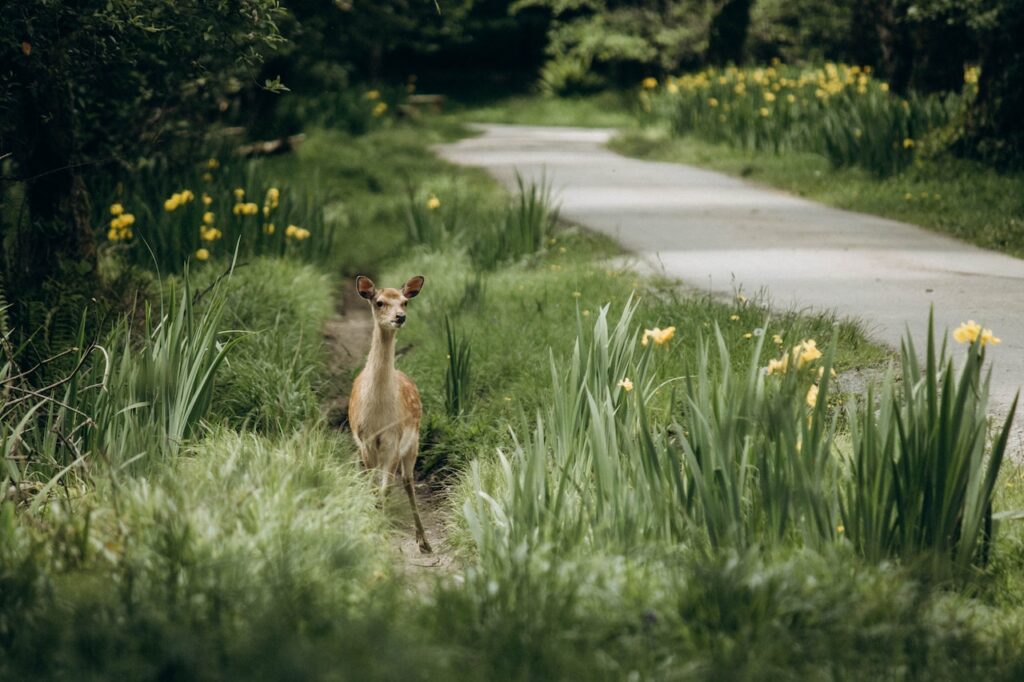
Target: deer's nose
point(400, 318)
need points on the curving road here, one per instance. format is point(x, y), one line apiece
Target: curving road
point(715, 231)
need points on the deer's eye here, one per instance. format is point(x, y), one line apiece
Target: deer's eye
point(405, 303)
point(380, 304)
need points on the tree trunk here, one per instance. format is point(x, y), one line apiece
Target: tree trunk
point(729, 33)
point(58, 229)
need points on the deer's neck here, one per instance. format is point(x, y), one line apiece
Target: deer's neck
point(380, 364)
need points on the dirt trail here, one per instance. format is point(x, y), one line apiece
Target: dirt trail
point(348, 335)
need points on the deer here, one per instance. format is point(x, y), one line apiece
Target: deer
point(384, 407)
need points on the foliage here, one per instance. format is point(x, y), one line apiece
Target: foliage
point(923, 473)
point(751, 461)
point(246, 557)
point(100, 85)
point(521, 228)
point(225, 207)
point(457, 386)
point(126, 399)
point(273, 380)
point(838, 111)
point(592, 43)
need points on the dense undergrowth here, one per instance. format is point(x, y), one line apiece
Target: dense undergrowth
point(631, 505)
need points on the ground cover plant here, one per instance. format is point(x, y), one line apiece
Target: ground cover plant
point(839, 111)
point(576, 532)
point(626, 478)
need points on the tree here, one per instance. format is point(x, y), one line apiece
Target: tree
point(592, 43)
point(91, 85)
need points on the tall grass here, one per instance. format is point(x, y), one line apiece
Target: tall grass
point(923, 471)
point(747, 460)
point(223, 205)
point(520, 228)
point(458, 373)
point(273, 380)
point(839, 111)
point(140, 393)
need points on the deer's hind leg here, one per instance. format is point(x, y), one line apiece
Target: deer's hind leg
point(409, 483)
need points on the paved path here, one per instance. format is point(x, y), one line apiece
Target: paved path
point(715, 231)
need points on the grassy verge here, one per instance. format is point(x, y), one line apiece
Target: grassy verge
point(604, 110)
point(953, 196)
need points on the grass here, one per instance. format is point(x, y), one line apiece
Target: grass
point(604, 110)
point(272, 382)
point(841, 112)
point(258, 548)
point(365, 181)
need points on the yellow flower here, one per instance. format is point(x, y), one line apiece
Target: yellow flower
point(586, 313)
point(577, 294)
point(769, 97)
point(208, 218)
point(273, 197)
point(649, 83)
point(239, 194)
point(806, 352)
point(907, 143)
point(433, 202)
point(269, 228)
point(202, 254)
point(734, 318)
point(812, 395)
point(748, 335)
point(172, 203)
point(741, 298)
point(209, 234)
point(290, 231)
point(372, 94)
point(207, 199)
point(380, 108)
point(712, 102)
point(765, 112)
point(626, 385)
point(658, 335)
point(672, 88)
point(884, 87)
point(840, 528)
point(777, 339)
point(213, 164)
point(971, 331)
point(780, 366)
point(207, 177)
point(116, 209)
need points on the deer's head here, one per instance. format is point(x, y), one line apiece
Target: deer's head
point(388, 305)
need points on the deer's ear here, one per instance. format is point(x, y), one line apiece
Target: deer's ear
point(412, 287)
point(365, 287)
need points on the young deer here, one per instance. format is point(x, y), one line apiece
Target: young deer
point(384, 409)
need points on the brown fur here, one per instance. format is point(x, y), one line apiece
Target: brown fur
point(384, 409)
